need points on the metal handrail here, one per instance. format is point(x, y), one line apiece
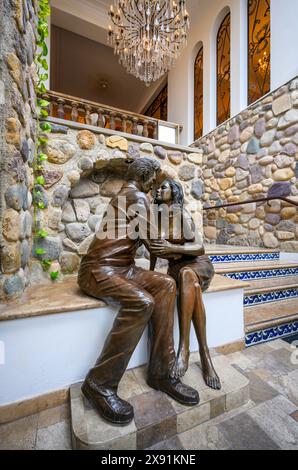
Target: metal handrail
point(250, 201)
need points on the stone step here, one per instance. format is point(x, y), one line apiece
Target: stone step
point(270, 294)
point(265, 322)
point(257, 285)
point(66, 296)
point(229, 249)
point(157, 416)
point(231, 254)
point(256, 271)
point(270, 308)
point(271, 314)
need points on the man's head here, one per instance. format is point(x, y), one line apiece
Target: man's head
point(143, 172)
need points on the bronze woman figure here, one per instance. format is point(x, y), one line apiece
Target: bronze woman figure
point(192, 271)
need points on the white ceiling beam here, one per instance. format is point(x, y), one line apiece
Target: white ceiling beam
point(78, 26)
point(91, 11)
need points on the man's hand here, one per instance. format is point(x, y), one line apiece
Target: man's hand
point(161, 248)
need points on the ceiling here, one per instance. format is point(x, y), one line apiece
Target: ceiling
point(88, 69)
point(92, 13)
point(89, 18)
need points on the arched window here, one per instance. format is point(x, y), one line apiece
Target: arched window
point(224, 70)
point(258, 49)
point(158, 109)
point(198, 94)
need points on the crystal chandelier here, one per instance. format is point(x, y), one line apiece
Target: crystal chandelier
point(148, 35)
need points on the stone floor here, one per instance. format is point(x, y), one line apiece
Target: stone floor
point(268, 421)
point(47, 430)
point(157, 417)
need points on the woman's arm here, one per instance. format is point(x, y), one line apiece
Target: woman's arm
point(164, 249)
point(193, 249)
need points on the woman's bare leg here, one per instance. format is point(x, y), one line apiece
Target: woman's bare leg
point(186, 304)
point(199, 322)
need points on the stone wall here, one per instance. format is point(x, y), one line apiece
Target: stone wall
point(17, 105)
point(85, 168)
point(253, 153)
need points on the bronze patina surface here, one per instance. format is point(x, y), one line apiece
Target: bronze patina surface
point(108, 272)
point(192, 271)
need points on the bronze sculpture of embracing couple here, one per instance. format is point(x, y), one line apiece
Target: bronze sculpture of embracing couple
point(108, 272)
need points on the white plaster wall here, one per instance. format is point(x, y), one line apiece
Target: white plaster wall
point(288, 257)
point(284, 41)
point(205, 20)
point(92, 11)
point(43, 354)
point(205, 17)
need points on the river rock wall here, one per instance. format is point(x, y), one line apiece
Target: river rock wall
point(84, 170)
point(17, 134)
point(251, 155)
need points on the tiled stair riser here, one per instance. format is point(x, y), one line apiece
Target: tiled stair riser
point(273, 296)
point(271, 333)
point(257, 295)
point(262, 274)
point(244, 257)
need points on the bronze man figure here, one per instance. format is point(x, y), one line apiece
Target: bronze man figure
point(108, 272)
point(193, 272)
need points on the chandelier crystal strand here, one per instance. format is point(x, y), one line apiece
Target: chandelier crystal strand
point(148, 35)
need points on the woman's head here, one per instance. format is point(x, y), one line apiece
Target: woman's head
point(169, 191)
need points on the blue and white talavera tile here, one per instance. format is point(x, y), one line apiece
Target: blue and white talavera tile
point(244, 257)
point(266, 297)
point(263, 274)
point(269, 334)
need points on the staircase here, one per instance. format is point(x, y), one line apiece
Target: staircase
point(271, 300)
point(254, 290)
point(270, 303)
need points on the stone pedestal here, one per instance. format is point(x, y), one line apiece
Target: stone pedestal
point(157, 416)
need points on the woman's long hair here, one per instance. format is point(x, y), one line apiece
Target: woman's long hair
point(177, 193)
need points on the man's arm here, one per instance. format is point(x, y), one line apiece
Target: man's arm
point(164, 249)
point(153, 260)
point(146, 221)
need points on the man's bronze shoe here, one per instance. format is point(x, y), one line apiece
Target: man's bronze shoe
point(108, 404)
point(176, 389)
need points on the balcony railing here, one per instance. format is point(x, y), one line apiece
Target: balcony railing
point(95, 114)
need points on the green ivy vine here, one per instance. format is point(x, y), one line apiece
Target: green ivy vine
point(43, 128)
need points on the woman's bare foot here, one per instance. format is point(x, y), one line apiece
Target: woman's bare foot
point(180, 365)
point(210, 376)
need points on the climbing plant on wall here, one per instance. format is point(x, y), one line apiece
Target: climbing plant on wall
point(43, 128)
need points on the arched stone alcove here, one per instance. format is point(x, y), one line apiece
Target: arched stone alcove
point(84, 170)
